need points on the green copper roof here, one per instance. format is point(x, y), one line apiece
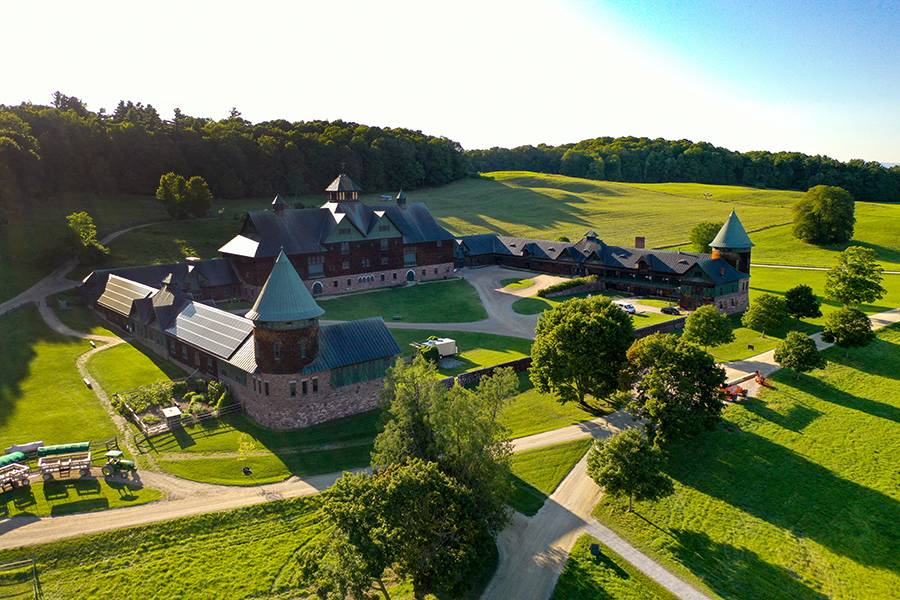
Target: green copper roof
point(284, 297)
point(732, 235)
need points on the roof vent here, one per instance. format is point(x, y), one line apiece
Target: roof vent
point(682, 261)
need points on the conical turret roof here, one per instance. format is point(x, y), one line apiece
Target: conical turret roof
point(343, 183)
point(284, 297)
point(732, 236)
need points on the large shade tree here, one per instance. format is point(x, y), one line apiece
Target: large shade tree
point(707, 326)
point(627, 464)
point(677, 387)
point(848, 328)
point(579, 349)
point(767, 312)
point(798, 352)
point(825, 215)
point(857, 277)
point(702, 234)
point(801, 302)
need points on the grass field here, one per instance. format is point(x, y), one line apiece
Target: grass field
point(33, 231)
point(217, 451)
point(42, 396)
point(607, 576)
point(536, 473)
point(76, 315)
point(778, 281)
point(476, 350)
point(516, 283)
point(56, 498)
point(535, 305)
point(795, 495)
point(126, 367)
point(243, 553)
point(532, 412)
point(452, 301)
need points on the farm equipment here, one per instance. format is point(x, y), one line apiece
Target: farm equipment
point(62, 459)
point(734, 393)
point(445, 346)
point(14, 474)
point(116, 465)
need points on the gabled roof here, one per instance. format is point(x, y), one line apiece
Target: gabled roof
point(343, 183)
point(211, 272)
point(284, 297)
point(119, 294)
point(719, 271)
point(353, 342)
point(732, 236)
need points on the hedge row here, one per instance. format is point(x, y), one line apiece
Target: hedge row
point(566, 285)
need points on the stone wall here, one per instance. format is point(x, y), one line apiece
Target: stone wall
point(279, 411)
point(736, 302)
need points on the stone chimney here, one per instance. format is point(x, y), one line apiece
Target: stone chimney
point(640, 242)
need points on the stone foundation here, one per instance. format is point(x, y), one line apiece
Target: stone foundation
point(279, 411)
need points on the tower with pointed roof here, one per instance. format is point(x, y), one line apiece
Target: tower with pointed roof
point(733, 244)
point(342, 189)
point(285, 321)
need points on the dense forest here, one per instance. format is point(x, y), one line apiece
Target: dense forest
point(68, 148)
point(65, 147)
point(644, 160)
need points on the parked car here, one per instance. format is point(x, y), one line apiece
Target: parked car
point(626, 307)
point(670, 310)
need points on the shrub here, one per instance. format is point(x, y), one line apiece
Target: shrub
point(431, 354)
point(568, 284)
point(179, 388)
point(150, 419)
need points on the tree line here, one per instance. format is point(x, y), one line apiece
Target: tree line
point(645, 160)
point(64, 147)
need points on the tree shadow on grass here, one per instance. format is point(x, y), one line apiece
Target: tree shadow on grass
point(737, 572)
point(878, 358)
point(826, 392)
point(792, 493)
point(796, 419)
point(526, 498)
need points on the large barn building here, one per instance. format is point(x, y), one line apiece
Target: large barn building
point(344, 245)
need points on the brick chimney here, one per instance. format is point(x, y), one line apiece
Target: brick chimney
point(640, 242)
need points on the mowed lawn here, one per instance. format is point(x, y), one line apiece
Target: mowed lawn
point(765, 280)
point(218, 451)
point(451, 301)
point(70, 309)
point(476, 350)
point(537, 473)
point(69, 496)
point(530, 412)
point(795, 495)
point(42, 396)
point(607, 576)
point(126, 367)
point(249, 552)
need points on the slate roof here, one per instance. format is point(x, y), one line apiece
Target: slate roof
point(265, 233)
point(186, 276)
point(216, 331)
point(343, 183)
point(119, 294)
point(732, 235)
point(353, 342)
point(284, 296)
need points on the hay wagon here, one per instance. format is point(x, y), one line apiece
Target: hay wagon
point(13, 472)
point(61, 460)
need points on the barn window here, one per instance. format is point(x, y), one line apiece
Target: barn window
point(293, 388)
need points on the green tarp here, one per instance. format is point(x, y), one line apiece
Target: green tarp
point(64, 449)
point(13, 457)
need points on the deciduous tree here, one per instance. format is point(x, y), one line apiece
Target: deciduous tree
point(197, 196)
point(170, 193)
point(677, 386)
point(800, 302)
point(798, 352)
point(848, 328)
point(857, 277)
point(83, 234)
point(707, 326)
point(825, 215)
point(766, 313)
point(627, 464)
point(704, 233)
point(579, 349)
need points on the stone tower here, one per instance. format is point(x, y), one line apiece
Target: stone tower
point(285, 321)
point(733, 244)
point(342, 189)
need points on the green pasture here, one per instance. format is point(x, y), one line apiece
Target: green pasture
point(536, 473)
point(128, 366)
point(68, 496)
point(794, 495)
point(42, 396)
point(70, 309)
point(531, 412)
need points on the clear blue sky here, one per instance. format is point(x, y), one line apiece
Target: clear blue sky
point(816, 77)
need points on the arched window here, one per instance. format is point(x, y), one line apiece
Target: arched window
point(410, 275)
point(317, 288)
